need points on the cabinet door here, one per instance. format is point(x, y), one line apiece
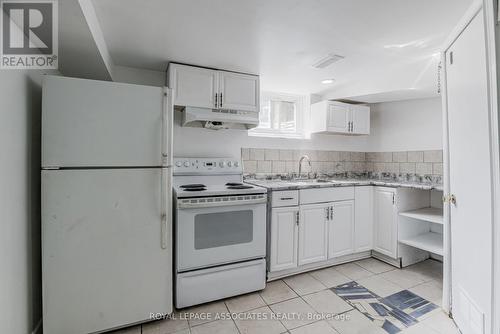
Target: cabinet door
point(341, 229)
point(337, 118)
point(360, 117)
point(385, 221)
point(239, 91)
point(363, 218)
point(284, 235)
point(193, 86)
point(313, 233)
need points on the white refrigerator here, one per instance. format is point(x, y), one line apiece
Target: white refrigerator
point(106, 204)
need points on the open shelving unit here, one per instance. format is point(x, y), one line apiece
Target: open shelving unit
point(430, 242)
point(433, 215)
point(420, 225)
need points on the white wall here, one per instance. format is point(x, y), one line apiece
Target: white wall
point(406, 126)
point(20, 258)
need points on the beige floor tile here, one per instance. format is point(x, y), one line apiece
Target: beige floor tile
point(259, 321)
point(320, 327)
point(304, 284)
point(429, 269)
point(293, 313)
point(277, 291)
point(379, 285)
point(327, 302)
point(128, 330)
point(419, 328)
point(353, 271)
point(198, 315)
point(432, 291)
point(330, 277)
point(244, 303)
point(354, 322)
point(403, 278)
point(442, 324)
point(216, 327)
point(375, 266)
point(167, 326)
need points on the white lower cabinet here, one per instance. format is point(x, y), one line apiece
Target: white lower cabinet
point(313, 233)
point(385, 221)
point(363, 218)
point(284, 238)
point(341, 229)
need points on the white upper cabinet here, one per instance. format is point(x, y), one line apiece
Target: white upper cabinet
point(360, 118)
point(208, 88)
point(385, 221)
point(340, 118)
point(313, 233)
point(193, 86)
point(239, 91)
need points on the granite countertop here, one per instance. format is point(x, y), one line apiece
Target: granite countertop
point(277, 184)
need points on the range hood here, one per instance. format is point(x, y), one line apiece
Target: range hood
point(217, 119)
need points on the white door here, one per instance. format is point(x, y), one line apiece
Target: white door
point(360, 117)
point(102, 256)
point(385, 221)
point(194, 86)
point(239, 91)
point(338, 118)
point(313, 233)
point(363, 218)
point(88, 123)
point(284, 238)
point(469, 153)
point(341, 229)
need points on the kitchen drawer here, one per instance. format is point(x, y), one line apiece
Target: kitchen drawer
point(323, 195)
point(284, 198)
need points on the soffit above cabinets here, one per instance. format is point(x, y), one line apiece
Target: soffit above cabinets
point(390, 44)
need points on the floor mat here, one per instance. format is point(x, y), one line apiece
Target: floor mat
point(393, 313)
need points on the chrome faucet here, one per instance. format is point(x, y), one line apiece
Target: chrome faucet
point(302, 158)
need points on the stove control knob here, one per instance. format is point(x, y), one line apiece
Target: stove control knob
point(236, 164)
point(178, 164)
point(222, 164)
point(229, 164)
point(186, 164)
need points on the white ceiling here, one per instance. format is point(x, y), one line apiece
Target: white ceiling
point(388, 44)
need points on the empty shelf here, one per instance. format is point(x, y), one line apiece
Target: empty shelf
point(433, 215)
point(430, 242)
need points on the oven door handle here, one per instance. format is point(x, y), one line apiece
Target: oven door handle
point(196, 203)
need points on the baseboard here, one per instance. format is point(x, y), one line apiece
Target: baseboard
point(38, 327)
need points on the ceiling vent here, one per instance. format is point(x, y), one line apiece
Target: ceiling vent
point(327, 61)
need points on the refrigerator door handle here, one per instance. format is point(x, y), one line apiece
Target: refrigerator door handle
point(167, 127)
point(165, 206)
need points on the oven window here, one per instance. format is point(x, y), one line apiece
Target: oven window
point(223, 229)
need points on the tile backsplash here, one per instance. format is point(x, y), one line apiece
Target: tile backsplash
point(276, 161)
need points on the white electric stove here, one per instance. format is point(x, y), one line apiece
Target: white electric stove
point(220, 231)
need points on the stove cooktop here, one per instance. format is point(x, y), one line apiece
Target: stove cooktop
point(217, 190)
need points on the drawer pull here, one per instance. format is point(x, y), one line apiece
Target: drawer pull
point(286, 198)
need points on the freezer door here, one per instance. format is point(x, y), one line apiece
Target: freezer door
point(88, 123)
point(103, 261)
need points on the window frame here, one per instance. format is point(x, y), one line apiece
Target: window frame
point(300, 112)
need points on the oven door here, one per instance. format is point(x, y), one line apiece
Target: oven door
point(210, 233)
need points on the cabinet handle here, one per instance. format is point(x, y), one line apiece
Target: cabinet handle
point(220, 100)
point(297, 218)
point(216, 102)
point(393, 199)
point(331, 213)
point(327, 214)
point(286, 198)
